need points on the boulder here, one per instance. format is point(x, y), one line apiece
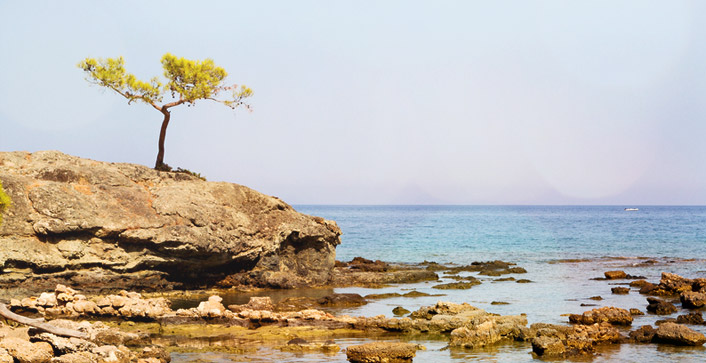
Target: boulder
point(692, 299)
point(27, 352)
point(606, 314)
point(558, 341)
point(620, 290)
point(694, 318)
point(615, 275)
point(643, 334)
point(381, 352)
point(97, 225)
point(480, 332)
point(675, 284)
point(660, 307)
point(678, 334)
point(212, 308)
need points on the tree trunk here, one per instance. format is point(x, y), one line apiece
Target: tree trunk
point(40, 324)
point(162, 134)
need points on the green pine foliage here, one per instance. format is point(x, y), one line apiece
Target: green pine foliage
point(4, 201)
point(187, 81)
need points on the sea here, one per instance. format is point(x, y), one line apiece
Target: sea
point(565, 250)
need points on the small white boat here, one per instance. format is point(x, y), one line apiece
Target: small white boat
point(631, 209)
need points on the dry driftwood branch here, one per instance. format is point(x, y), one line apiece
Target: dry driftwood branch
point(40, 324)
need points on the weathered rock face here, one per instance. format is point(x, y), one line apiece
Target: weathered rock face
point(96, 224)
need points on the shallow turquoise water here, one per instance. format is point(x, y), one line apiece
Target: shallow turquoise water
point(534, 237)
point(463, 234)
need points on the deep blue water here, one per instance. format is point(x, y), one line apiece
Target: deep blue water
point(463, 234)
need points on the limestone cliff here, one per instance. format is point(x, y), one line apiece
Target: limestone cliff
point(102, 226)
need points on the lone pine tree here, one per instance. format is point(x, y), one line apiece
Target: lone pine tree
point(187, 82)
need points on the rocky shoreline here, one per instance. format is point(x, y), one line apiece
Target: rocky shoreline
point(299, 325)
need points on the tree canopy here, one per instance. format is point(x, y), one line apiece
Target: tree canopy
point(187, 81)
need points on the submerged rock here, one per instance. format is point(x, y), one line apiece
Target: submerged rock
point(400, 311)
point(105, 225)
point(382, 352)
point(456, 285)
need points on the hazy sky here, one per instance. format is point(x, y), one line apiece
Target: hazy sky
point(383, 102)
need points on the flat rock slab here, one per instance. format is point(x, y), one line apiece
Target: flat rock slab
point(678, 334)
point(382, 352)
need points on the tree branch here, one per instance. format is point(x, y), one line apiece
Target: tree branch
point(40, 324)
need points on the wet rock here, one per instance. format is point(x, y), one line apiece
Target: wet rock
point(383, 296)
point(557, 341)
point(255, 303)
point(692, 300)
point(674, 283)
point(643, 334)
point(660, 307)
point(260, 303)
point(443, 308)
point(610, 315)
point(346, 277)
point(132, 227)
point(499, 303)
point(615, 275)
point(694, 318)
point(456, 285)
point(482, 332)
point(598, 298)
point(363, 264)
point(504, 271)
point(64, 345)
point(523, 281)
point(620, 290)
point(677, 334)
point(380, 352)
point(342, 300)
point(634, 312)
point(26, 352)
point(504, 279)
point(638, 283)
point(416, 293)
point(111, 353)
point(400, 311)
point(155, 353)
point(299, 345)
point(649, 288)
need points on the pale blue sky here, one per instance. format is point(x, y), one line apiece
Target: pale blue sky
point(383, 102)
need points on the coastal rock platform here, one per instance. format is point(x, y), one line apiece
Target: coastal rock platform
point(98, 225)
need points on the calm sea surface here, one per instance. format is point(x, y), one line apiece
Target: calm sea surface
point(539, 238)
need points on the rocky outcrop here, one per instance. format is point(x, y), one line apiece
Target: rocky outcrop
point(96, 224)
point(608, 314)
point(557, 341)
point(101, 344)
